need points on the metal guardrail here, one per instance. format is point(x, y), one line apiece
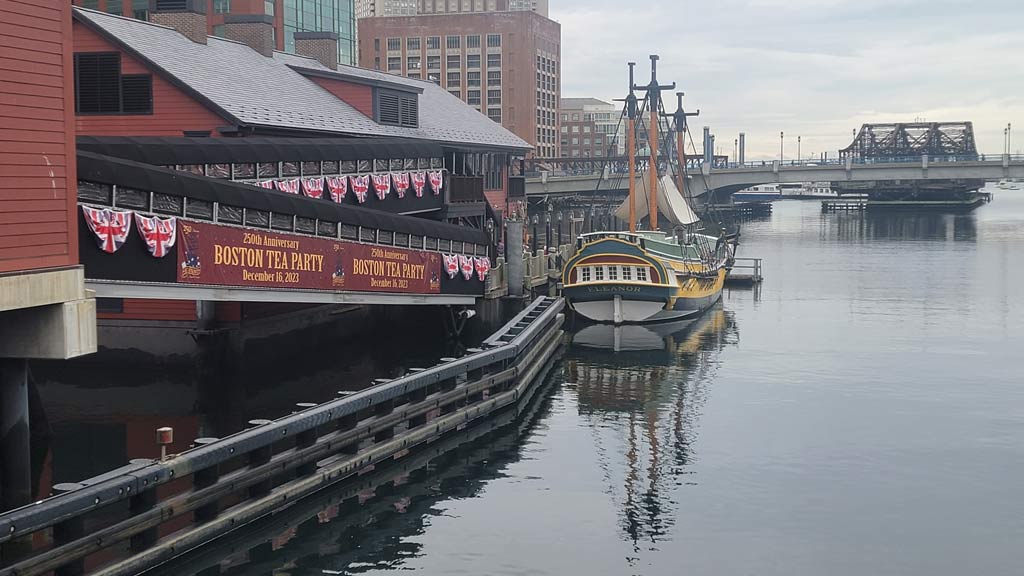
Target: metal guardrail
point(300, 454)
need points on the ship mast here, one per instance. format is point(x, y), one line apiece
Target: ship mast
point(631, 148)
point(654, 100)
point(679, 116)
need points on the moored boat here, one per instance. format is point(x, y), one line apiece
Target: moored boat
point(650, 275)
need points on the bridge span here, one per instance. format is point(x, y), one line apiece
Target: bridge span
point(725, 178)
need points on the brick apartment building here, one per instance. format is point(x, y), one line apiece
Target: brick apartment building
point(284, 17)
point(507, 65)
point(590, 128)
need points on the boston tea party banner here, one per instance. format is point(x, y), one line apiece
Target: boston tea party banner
point(226, 256)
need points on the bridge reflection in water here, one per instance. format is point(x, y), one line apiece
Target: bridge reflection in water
point(641, 403)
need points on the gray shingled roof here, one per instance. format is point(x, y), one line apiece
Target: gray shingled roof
point(263, 91)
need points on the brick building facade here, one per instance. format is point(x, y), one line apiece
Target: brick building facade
point(507, 65)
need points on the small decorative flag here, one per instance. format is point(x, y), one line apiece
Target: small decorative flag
point(110, 226)
point(289, 186)
point(419, 181)
point(313, 187)
point(401, 181)
point(360, 185)
point(451, 264)
point(158, 233)
point(482, 265)
point(436, 180)
point(466, 264)
point(266, 184)
point(381, 185)
point(338, 187)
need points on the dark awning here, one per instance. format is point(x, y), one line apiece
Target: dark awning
point(170, 150)
point(106, 170)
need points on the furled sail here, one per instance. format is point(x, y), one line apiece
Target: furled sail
point(671, 203)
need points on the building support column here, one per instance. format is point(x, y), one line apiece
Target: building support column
point(15, 459)
point(514, 257)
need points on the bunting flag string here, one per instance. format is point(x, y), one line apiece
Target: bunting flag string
point(451, 264)
point(419, 181)
point(466, 264)
point(266, 184)
point(401, 180)
point(338, 187)
point(436, 180)
point(381, 185)
point(289, 186)
point(313, 187)
point(110, 226)
point(482, 265)
point(158, 233)
point(360, 185)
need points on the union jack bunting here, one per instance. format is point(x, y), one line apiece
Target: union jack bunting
point(110, 226)
point(266, 184)
point(338, 187)
point(466, 264)
point(158, 233)
point(381, 185)
point(419, 181)
point(451, 264)
point(436, 180)
point(401, 181)
point(360, 185)
point(313, 187)
point(289, 186)
point(482, 265)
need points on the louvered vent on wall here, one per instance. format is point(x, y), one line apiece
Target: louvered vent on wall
point(397, 109)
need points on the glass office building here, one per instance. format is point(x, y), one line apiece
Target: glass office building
point(322, 16)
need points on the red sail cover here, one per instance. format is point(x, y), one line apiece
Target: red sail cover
point(482, 265)
point(313, 187)
point(401, 181)
point(466, 264)
point(158, 233)
point(451, 264)
point(111, 227)
point(360, 185)
point(289, 186)
point(382, 185)
point(419, 181)
point(436, 180)
point(338, 187)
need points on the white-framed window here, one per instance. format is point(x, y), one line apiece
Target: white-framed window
point(613, 272)
point(641, 273)
point(585, 274)
point(599, 273)
point(627, 272)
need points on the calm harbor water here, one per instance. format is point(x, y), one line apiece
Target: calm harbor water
point(860, 413)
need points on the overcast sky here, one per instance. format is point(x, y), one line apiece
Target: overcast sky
point(814, 68)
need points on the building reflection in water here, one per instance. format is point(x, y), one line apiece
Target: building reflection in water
point(641, 389)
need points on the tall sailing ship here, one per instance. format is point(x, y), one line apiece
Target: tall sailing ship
point(650, 275)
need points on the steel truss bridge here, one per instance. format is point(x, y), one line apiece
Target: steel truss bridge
point(928, 156)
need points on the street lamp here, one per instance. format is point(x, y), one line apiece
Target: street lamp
point(1008, 135)
point(782, 141)
point(798, 149)
point(736, 150)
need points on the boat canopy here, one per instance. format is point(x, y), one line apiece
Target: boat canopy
point(671, 203)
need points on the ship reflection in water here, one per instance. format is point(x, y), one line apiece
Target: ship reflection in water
point(642, 389)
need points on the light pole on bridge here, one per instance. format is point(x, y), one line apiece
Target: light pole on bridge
point(782, 144)
point(798, 149)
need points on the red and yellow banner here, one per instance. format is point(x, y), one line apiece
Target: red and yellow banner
point(226, 256)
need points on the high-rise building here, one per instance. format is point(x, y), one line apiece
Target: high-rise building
point(590, 128)
point(374, 8)
point(507, 65)
point(455, 6)
point(285, 16)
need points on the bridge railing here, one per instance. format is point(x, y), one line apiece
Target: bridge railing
point(125, 518)
point(614, 167)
